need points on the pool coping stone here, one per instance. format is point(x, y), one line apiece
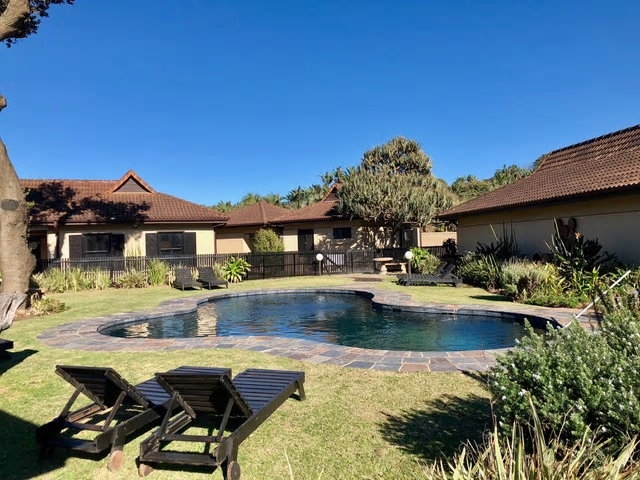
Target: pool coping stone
point(85, 334)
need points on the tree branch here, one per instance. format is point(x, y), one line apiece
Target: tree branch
point(12, 17)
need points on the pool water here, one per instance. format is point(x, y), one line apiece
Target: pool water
point(343, 319)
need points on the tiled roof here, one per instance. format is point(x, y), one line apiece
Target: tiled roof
point(319, 211)
point(598, 166)
point(128, 199)
point(261, 213)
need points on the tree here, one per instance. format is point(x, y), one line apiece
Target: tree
point(393, 186)
point(267, 240)
point(18, 19)
point(470, 186)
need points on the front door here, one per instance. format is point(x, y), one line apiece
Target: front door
point(305, 240)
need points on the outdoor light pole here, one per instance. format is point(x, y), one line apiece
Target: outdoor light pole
point(319, 258)
point(408, 255)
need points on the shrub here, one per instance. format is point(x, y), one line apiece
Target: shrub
point(505, 247)
point(579, 261)
point(133, 278)
point(266, 240)
point(98, 279)
point(528, 455)
point(423, 261)
point(158, 272)
point(235, 269)
point(481, 271)
point(60, 280)
point(46, 306)
point(580, 383)
point(521, 278)
point(218, 271)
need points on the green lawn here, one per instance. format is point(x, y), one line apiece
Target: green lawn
point(354, 423)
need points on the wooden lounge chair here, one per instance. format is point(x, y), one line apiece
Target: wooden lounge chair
point(117, 410)
point(5, 345)
point(237, 407)
point(184, 279)
point(445, 276)
point(207, 278)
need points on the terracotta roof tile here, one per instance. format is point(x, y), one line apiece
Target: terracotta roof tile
point(600, 165)
point(261, 213)
point(95, 201)
point(319, 211)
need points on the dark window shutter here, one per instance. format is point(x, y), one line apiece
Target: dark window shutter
point(189, 247)
point(151, 241)
point(117, 244)
point(75, 246)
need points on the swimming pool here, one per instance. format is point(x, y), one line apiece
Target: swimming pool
point(337, 318)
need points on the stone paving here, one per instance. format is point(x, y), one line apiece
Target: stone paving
point(85, 335)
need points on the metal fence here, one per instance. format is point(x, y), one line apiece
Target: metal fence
point(263, 265)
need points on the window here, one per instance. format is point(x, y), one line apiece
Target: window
point(341, 233)
point(171, 243)
point(96, 245)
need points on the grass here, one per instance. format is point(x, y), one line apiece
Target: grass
point(354, 423)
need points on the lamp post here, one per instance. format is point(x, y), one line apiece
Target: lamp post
point(408, 255)
point(319, 258)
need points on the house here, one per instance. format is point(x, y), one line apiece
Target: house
point(237, 233)
point(320, 226)
point(592, 187)
point(125, 217)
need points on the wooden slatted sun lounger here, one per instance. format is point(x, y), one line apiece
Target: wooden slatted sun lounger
point(445, 276)
point(235, 408)
point(206, 278)
point(117, 410)
point(184, 279)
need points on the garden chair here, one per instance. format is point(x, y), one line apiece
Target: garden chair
point(207, 278)
point(236, 407)
point(184, 279)
point(117, 410)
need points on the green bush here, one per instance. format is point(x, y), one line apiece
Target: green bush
point(521, 278)
point(580, 383)
point(580, 261)
point(423, 261)
point(98, 279)
point(480, 271)
point(46, 306)
point(157, 271)
point(235, 269)
point(527, 455)
point(133, 278)
point(556, 300)
point(218, 271)
point(266, 240)
point(61, 280)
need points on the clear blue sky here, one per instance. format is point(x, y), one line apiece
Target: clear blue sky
point(208, 100)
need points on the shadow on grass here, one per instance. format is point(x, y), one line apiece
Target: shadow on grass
point(496, 298)
point(19, 452)
point(440, 428)
point(11, 359)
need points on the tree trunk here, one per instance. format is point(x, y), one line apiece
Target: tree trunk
point(16, 261)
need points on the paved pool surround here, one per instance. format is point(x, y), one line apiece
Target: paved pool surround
point(85, 334)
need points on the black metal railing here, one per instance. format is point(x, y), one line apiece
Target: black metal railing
point(263, 265)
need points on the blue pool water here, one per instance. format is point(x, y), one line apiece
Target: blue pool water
point(342, 319)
